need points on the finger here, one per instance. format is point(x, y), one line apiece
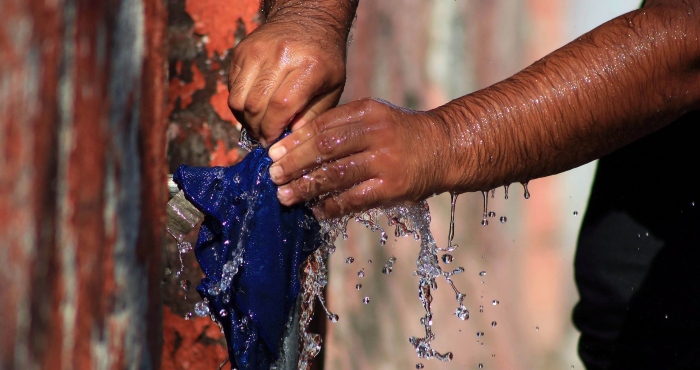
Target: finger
point(238, 93)
point(317, 106)
point(232, 75)
point(268, 80)
point(335, 176)
point(337, 117)
point(301, 89)
point(329, 145)
point(362, 197)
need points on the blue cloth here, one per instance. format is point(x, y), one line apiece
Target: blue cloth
point(241, 207)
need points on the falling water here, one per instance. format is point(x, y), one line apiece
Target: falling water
point(408, 220)
point(484, 221)
point(505, 187)
point(527, 193)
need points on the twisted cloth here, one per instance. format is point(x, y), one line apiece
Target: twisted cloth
point(250, 248)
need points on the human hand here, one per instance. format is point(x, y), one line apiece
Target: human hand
point(287, 71)
point(367, 153)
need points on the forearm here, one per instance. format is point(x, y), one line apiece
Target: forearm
point(621, 81)
point(336, 14)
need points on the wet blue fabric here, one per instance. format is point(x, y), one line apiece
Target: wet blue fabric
point(241, 208)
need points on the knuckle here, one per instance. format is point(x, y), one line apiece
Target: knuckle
point(324, 143)
point(334, 172)
point(235, 103)
point(280, 103)
point(253, 106)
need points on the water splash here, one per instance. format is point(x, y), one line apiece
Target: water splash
point(246, 142)
point(408, 220)
point(389, 266)
point(182, 249)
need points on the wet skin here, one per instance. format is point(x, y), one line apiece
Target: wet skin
point(292, 68)
point(625, 79)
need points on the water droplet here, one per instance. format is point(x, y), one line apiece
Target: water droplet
point(369, 261)
point(419, 366)
point(493, 355)
point(214, 290)
point(575, 213)
point(185, 284)
point(188, 315)
point(493, 324)
point(333, 317)
point(386, 270)
point(349, 260)
point(365, 300)
point(201, 309)
point(462, 313)
point(646, 233)
point(167, 271)
point(504, 219)
point(358, 286)
point(482, 273)
point(493, 193)
point(527, 192)
point(184, 247)
point(492, 214)
point(480, 334)
point(505, 187)
point(447, 258)
point(665, 316)
point(537, 328)
point(484, 222)
point(223, 313)
point(495, 302)
point(692, 204)
point(481, 309)
point(481, 366)
point(319, 159)
point(361, 273)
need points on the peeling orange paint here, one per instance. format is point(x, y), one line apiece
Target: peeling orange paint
point(219, 102)
point(222, 156)
point(192, 344)
point(178, 89)
point(218, 19)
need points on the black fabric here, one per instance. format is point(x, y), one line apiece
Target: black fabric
point(640, 298)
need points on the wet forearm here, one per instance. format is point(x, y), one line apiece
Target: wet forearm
point(621, 81)
point(335, 15)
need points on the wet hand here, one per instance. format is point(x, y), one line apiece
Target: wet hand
point(364, 154)
point(284, 73)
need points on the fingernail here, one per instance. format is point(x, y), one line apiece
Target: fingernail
point(276, 152)
point(284, 193)
point(275, 172)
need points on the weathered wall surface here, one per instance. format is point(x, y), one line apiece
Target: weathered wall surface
point(82, 170)
point(201, 132)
